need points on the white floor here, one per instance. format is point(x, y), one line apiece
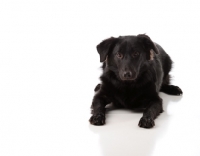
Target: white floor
point(49, 67)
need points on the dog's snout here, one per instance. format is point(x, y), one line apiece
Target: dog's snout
point(127, 74)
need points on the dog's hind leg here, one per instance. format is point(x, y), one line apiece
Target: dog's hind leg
point(170, 89)
point(166, 87)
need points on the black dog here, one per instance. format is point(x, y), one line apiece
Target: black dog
point(135, 69)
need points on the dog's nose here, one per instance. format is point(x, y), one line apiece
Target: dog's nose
point(127, 74)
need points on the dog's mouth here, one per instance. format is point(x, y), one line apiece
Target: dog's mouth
point(128, 78)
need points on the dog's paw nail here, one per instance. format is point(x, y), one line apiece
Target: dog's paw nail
point(98, 119)
point(179, 91)
point(146, 122)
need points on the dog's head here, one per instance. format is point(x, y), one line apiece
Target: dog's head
point(126, 55)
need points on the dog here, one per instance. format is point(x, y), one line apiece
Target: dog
point(135, 69)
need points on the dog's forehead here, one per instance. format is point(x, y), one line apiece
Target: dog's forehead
point(128, 38)
point(127, 43)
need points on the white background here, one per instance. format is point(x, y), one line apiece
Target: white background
point(49, 67)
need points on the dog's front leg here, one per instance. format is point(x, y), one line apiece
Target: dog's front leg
point(98, 109)
point(150, 113)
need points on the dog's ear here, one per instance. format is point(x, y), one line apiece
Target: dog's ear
point(149, 46)
point(105, 47)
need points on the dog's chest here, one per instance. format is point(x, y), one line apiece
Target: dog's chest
point(127, 97)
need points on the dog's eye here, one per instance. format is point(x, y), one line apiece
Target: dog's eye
point(119, 55)
point(135, 54)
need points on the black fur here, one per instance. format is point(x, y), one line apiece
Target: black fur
point(135, 69)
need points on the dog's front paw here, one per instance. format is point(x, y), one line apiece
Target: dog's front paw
point(98, 119)
point(146, 122)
